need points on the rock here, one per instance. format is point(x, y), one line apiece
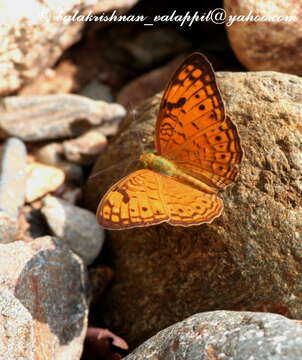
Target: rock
point(37, 34)
point(61, 79)
point(12, 187)
point(147, 85)
point(75, 226)
point(152, 46)
point(266, 45)
point(35, 37)
point(225, 335)
point(110, 5)
point(85, 148)
point(43, 306)
point(103, 344)
point(36, 223)
point(48, 117)
point(97, 91)
point(99, 278)
point(53, 154)
point(248, 258)
point(42, 179)
point(72, 194)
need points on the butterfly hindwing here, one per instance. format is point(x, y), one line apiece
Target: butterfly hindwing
point(188, 206)
point(147, 198)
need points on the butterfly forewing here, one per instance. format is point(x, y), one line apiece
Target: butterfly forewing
point(191, 129)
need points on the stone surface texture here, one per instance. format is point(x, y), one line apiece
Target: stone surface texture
point(43, 305)
point(49, 117)
point(225, 335)
point(36, 35)
point(75, 226)
point(267, 45)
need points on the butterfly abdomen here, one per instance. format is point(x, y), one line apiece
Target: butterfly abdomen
point(166, 167)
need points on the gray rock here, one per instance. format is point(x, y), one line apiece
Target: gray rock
point(96, 90)
point(223, 335)
point(12, 187)
point(43, 306)
point(53, 116)
point(75, 226)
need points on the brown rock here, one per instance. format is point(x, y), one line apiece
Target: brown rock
point(37, 33)
point(103, 344)
point(42, 179)
point(147, 85)
point(267, 45)
point(225, 335)
point(43, 306)
point(109, 5)
point(34, 39)
point(248, 258)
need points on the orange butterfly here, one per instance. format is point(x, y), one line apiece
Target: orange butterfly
point(197, 148)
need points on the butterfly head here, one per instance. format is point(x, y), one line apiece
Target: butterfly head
point(147, 160)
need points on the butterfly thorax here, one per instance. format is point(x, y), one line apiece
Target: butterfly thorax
point(166, 167)
point(158, 164)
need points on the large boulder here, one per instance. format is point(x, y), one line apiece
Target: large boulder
point(273, 40)
point(247, 259)
point(225, 335)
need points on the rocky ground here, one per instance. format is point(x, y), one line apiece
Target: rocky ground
point(77, 101)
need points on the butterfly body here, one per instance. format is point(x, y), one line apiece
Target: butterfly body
point(197, 150)
point(158, 163)
point(166, 167)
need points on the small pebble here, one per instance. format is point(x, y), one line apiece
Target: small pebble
point(53, 154)
point(42, 179)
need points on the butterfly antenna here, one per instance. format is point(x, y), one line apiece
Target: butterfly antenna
point(137, 133)
point(130, 161)
point(127, 167)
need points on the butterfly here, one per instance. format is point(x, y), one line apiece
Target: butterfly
point(197, 152)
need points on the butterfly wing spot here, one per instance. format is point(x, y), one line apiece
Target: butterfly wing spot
point(170, 105)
